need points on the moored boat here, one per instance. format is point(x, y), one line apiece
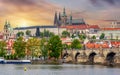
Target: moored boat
point(2, 61)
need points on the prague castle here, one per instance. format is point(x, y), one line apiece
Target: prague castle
point(63, 19)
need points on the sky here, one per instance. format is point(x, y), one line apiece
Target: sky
point(22, 13)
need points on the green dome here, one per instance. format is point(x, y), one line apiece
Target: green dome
point(10, 29)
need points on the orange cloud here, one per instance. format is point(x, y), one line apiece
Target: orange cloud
point(27, 12)
point(41, 12)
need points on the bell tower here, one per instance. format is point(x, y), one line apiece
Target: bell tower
point(7, 31)
point(64, 18)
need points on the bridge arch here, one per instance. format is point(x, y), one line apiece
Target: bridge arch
point(91, 57)
point(65, 55)
point(76, 55)
point(110, 58)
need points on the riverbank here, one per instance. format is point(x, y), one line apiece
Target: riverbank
point(59, 62)
point(56, 62)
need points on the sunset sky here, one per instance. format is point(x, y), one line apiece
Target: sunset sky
point(41, 12)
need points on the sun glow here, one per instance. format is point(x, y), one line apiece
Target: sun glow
point(23, 23)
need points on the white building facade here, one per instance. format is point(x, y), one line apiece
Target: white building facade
point(110, 33)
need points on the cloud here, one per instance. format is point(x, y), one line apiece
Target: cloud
point(98, 2)
point(34, 12)
point(39, 12)
point(19, 2)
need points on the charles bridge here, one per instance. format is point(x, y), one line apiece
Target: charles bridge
point(100, 56)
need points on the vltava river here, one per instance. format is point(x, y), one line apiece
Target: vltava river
point(66, 69)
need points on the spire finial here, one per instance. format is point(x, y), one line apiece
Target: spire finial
point(64, 10)
point(59, 16)
point(55, 18)
point(6, 22)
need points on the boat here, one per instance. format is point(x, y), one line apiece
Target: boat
point(2, 61)
point(17, 62)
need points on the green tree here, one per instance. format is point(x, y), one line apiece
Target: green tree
point(51, 34)
point(93, 37)
point(102, 36)
point(65, 34)
point(73, 35)
point(44, 48)
point(82, 36)
point(46, 33)
point(65, 46)
point(41, 34)
point(2, 48)
point(28, 32)
point(20, 34)
point(33, 46)
point(19, 47)
point(117, 37)
point(76, 44)
point(55, 47)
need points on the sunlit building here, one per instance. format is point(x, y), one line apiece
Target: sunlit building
point(110, 33)
point(8, 31)
point(63, 19)
point(35, 30)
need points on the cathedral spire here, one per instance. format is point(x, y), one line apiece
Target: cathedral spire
point(70, 19)
point(6, 22)
point(59, 16)
point(64, 12)
point(55, 19)
point(59, 19)
point(5, 26)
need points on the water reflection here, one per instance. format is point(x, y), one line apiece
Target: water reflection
point(65, 69)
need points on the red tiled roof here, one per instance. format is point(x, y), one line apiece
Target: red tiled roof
point(94, 26)
point(110, 28)
point(80, 26)
point(77, 27)
point(104, 45)
point(68, 43)
point(115, 43)
point(63, 38)
point(1, 36)
point(93, 45)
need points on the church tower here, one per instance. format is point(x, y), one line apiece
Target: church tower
point(64, 18)
point(70, 22)
point(59, 19)
point(7, 30)
point(55, 19)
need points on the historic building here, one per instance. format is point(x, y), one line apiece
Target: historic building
point(110, 33)
point(35, 30)
point(8, 31)
point(63, 19)
point(89, 30)
point(115, 24)
point(8, 35)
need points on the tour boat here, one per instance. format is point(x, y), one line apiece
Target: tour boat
point(2, 61)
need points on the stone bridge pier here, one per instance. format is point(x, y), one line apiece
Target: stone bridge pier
point(92, 56)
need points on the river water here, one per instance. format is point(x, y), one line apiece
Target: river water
point(65, 69)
